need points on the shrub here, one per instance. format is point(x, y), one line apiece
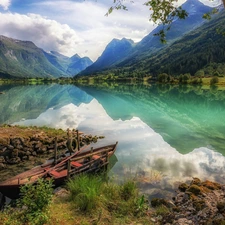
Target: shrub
point(35, 200)
point(214, 80)
point(163, 78)
point(32, 207)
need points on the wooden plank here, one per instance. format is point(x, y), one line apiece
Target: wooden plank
point(57, 174)
point(96, 157)
point(76, 164)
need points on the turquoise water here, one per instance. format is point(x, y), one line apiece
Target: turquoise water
point(166, 133)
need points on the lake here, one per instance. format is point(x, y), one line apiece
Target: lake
point(166, 134)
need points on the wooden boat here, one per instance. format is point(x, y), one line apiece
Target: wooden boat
point(83, 161)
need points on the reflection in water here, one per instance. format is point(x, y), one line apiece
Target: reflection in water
point(154, 129)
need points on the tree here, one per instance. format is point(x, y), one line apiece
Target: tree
point(161, 12)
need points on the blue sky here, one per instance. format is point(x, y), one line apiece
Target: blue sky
point(73, 26)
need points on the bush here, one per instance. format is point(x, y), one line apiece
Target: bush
point(183, 78)
point(32, 207)
point(214, 80)
point(35, 200)
point(163, 78)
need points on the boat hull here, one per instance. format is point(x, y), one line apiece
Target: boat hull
point(90, 161)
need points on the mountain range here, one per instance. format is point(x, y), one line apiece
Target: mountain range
point(192, 44)
point(24, 59)
point(150, 44)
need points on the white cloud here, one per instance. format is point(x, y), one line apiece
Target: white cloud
point(45, 33)
point(153, 154)
point(76, 26)
point(5, 4)
point(86, 21)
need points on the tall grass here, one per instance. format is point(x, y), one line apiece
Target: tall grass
point(85, 192)
point(89, 193)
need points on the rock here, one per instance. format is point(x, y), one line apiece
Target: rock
point(2, 166)
point(211, 185)
point(221, 206)
point(201, 203)
point(183, 187)
point(155, 202)
point(194, 189)
point(13, 160)
point(196, 181)
point(2, 160)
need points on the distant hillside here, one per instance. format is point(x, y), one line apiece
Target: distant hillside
point(23, 59)
point(117, 57)
point(203, 48)
point(70, 66)
point(114, 52)
point(151, 44)
point(78, 64)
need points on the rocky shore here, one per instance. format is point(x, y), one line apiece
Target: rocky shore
point(197, 203)
point(25, 145)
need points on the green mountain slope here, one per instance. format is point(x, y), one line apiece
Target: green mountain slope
point(69, 65)
point(114, 53)
point(202, 48)
point(122, 53)
point(24, 59)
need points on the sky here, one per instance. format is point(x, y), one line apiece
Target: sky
point(73, 26)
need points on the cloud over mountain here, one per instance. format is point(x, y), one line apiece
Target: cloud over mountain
point(46, 33)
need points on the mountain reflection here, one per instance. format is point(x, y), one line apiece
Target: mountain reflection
point(164, 132)
point(141, 150)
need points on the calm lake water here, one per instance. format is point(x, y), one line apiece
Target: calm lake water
point(166, 134)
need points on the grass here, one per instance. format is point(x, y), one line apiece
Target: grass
point(89, 200)
point(93, 200)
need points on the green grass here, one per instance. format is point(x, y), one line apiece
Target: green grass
point(85, 192)
point(88, 200)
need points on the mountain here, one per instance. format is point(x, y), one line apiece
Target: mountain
point(201, 49)
point(151, 44)
point(57, 60)
point(29, 101)
point(78, 64)
point(23, 59)
point(114, 52)
point(68, 65)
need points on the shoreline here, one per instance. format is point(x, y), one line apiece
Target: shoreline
point(22, 148)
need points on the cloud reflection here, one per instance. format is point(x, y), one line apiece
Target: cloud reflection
point(141, 150)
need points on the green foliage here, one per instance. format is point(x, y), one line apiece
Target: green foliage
point(162, 12)
point(196, 80)
point(163, 78)
point(200, 73)
point(32, 206)
point(128, 190)
point(117, 5)
point(35, 200)
point(183, 79)
point(214, 80)
point(89, 193)
point(208, 16)
point(85, 192)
